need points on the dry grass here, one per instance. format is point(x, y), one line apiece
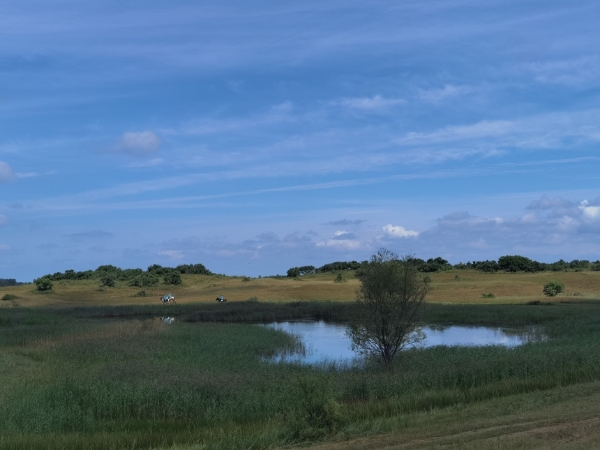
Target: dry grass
point(456, 286)
point(467, 286)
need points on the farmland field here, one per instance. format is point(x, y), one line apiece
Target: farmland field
point(90, 367)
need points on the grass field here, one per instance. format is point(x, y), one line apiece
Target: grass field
point(455, 286)
point(84, 367)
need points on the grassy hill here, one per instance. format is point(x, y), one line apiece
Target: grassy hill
point(455, 286)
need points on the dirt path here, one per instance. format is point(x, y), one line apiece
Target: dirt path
point(539, 434)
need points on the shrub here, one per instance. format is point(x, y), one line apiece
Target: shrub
point(107, 280)
point(43, 284)
point(340, 278)
point(140, 294)
point(318, 413)
point(9, 297)
point(553, 288)
point(488, 295)
point(172, 277)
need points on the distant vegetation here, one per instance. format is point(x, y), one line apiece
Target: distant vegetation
point(508, 263)
point(4, 282)
point(107, 275)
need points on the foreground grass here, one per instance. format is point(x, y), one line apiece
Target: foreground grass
point(116, 377)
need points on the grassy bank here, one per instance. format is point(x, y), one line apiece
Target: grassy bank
point(114, 377)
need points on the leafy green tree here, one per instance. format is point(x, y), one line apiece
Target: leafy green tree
point(390, 297)
point(193, 269)
point(172, 276)
point(552, 288)
point(43, 284)
point(516, 263)
point(339, 265)
point(107, 280)
point(293, 272)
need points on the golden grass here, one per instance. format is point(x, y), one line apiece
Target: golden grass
point(456, 286)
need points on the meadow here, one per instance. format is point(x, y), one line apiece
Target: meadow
point(90, 367)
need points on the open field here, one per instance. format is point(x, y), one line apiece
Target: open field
point(90, 367)
point(455, 286)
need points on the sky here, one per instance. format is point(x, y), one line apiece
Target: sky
point(257, 136)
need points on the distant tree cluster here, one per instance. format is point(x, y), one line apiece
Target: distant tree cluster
point(8, 282)
point(517, 263)
point(508, 263)
point(108, 275)
point(331, 267)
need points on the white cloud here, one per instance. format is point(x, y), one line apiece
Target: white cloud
point(6, 173)
point(138, 143)
point(589, 212)
point(3, 219)
point(398, 231)
point(5, 248)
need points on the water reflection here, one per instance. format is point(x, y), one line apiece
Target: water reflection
point(328, 342)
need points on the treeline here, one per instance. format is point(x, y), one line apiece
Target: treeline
point(431, 265)
point(516, 263)
point(508, 263)
point(331, 267)
point(109, 274)
point(4, 282)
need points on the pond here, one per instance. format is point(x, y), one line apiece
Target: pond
point(328, 342)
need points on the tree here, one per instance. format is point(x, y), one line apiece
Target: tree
point(390, 297)
point(172, 276)
point(43, 284)
point(107, 280)
point(552, 288)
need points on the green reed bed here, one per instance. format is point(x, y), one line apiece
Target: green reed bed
point(85, 379)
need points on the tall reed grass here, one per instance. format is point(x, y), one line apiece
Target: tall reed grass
point(121, 378)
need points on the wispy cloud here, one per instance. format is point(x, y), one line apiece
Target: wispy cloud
point(446, 92)
point(95, 234)
point(6, 172)
point(275, 115)
point(138, 143)
point(376, 103)
point(398, 231)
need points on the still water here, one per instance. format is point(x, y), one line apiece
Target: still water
point(328, 342)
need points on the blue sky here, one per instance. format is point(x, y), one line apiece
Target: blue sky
point(257, 136)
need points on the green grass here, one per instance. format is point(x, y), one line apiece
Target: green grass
point(116, 377)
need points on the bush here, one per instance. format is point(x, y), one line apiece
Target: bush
point(339, 279)
point(172, 277)
point(140, 294)
point(107, 280)
point(553, 288)
point(318, 413)
point(43, 284)
point(488, 295)
point(9, 297)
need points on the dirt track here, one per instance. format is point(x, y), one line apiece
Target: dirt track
point(581, 433)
